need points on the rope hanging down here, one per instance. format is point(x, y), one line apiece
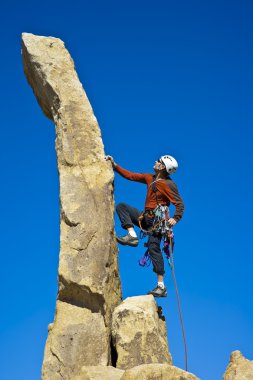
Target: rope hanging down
point(172, 266)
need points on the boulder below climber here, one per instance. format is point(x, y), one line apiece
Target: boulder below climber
point(138, 334)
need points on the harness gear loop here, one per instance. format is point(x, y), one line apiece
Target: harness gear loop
point(156, 223)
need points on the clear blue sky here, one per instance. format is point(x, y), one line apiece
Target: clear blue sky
point(163, 77)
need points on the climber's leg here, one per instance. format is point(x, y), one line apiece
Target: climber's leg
point(128, 216)
point(158, 264)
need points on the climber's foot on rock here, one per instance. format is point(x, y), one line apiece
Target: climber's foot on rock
point(128, 240)
point(158, 292)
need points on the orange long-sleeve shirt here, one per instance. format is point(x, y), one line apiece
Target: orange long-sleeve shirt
point(167, 191)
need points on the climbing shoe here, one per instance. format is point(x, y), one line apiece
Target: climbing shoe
point(158, 292)
point(128, 240)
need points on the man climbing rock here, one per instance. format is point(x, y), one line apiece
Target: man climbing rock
point(161, 190)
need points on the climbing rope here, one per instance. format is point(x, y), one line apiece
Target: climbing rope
point(172, 266)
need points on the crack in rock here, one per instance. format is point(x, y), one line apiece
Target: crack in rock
point(81, 296)
point(67, 220)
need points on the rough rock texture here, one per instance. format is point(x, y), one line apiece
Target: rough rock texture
point(239, 368)
point(88, 267)
point(74, 329)
point(141, 372)
point(157, 372)
point(138, 334)
point(99, 373)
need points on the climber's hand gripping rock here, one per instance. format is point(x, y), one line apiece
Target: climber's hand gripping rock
point(110, 158)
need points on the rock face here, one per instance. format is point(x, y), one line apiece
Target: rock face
point(157, 372)
point(141, 372)
point(99, 373)
point(239, 368)
point(77, 337)
point(139, 336)
point(89, 286)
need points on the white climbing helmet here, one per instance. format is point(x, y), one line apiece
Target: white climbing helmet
point(170, 163)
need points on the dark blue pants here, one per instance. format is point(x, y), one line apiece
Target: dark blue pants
point(128, 216)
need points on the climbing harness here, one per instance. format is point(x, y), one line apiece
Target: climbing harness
point(161, 226)
point(160, 223)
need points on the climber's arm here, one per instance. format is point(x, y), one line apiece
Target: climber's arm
point(137, 177)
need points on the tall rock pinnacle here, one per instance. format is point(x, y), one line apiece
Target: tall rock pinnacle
point(94, 335)
point(89, 286)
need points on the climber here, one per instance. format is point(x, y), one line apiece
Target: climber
point(160, 190)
